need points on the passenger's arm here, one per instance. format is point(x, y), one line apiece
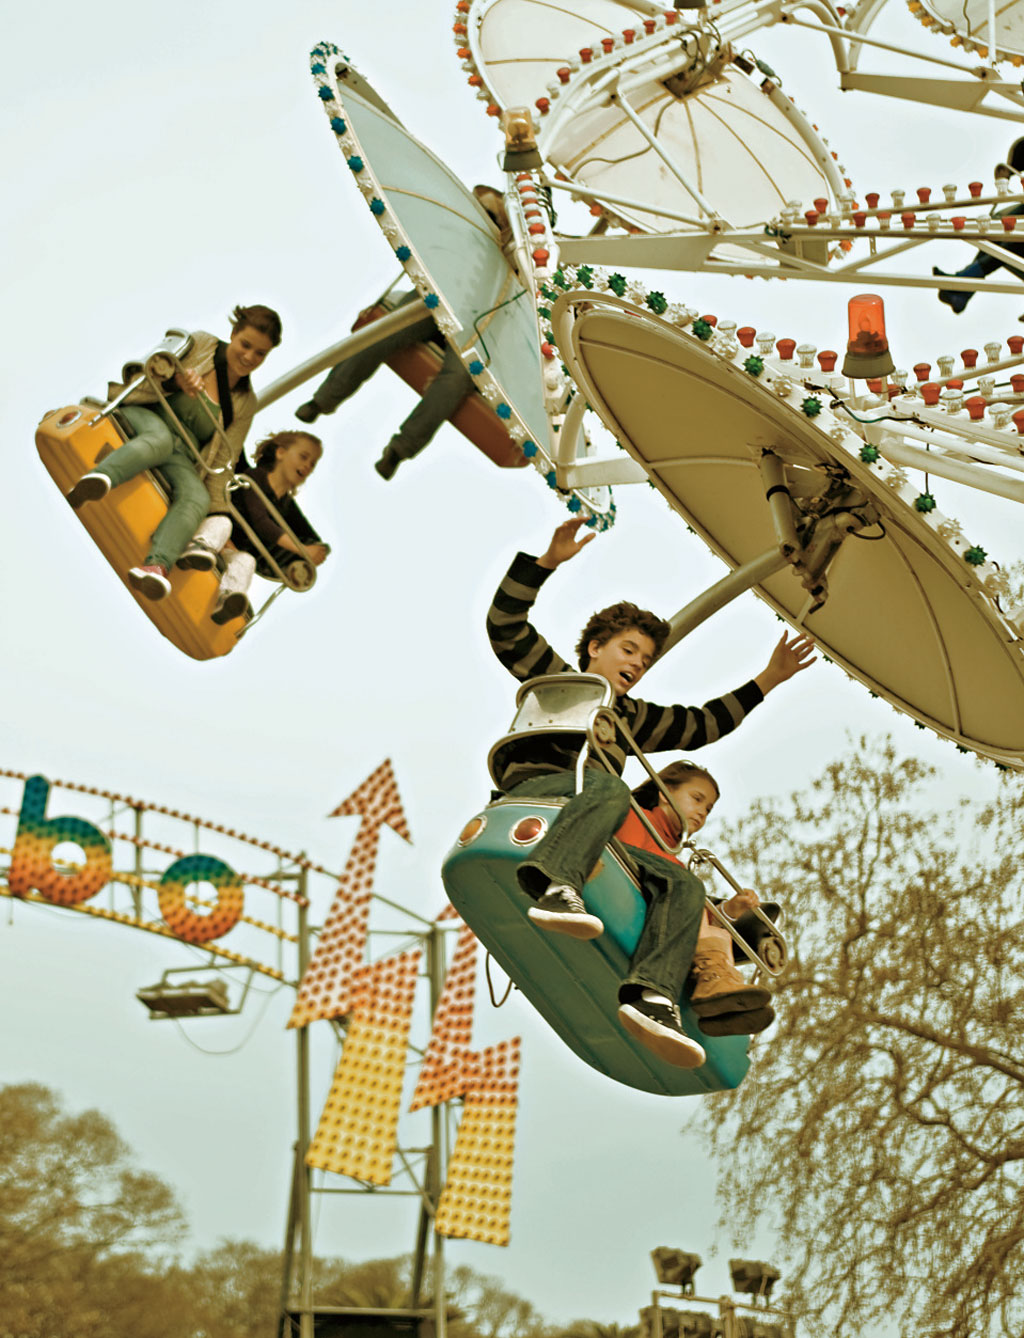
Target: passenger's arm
point(514, 639)
point(788, 658)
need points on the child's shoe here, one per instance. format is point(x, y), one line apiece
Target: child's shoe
point(150, 581)
point(738, 1024)
point(388, 463)
point(654, 1022)
point(89, 488)
point(717, 986)
point(231, 605)
point(198, 556)
point(954, 298)
point(561, 909)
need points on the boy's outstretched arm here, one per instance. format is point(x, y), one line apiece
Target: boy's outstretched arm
point(790, 656)
point(514, 639)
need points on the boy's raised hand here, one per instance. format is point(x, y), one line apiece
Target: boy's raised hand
point(789, 657)
point(564, 544)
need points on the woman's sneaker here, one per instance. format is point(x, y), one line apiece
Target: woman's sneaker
point(561, 909)
point(150, 581)
point(89, 488)
point(658, 1027)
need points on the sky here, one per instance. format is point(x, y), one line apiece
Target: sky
point(160, 168)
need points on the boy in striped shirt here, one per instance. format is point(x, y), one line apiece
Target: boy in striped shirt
point(620, 643)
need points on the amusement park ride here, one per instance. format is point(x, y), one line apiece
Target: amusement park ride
point(811, 484)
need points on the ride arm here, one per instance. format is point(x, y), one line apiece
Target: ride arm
point(514, 639)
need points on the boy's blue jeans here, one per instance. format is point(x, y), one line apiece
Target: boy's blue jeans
point(571, 848)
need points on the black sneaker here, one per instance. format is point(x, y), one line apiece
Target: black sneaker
point(738, 1024)
point(562, 910)
point(308, 412)
point(657, 1026)
point(228, 607)
point(388, 463)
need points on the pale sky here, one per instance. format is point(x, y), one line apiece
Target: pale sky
point(162, 166)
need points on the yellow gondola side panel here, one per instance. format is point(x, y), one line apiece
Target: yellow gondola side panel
point(72, 441)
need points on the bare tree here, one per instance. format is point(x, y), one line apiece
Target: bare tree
point(80, 1226)
point(882, 1124)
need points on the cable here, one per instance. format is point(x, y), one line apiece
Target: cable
point(245, 1039)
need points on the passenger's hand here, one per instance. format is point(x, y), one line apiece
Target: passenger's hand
point(317, 553)
point(564, 544)
point(189, 381)
point(740, 902)
point(789, 657)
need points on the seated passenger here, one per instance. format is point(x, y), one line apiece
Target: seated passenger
point(284, 461)
point(212, 390)
point(620, 643)
point(681, 945)
point(443, 395)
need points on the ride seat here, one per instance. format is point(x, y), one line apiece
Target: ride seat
point(551, 707)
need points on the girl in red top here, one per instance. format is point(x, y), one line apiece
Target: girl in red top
point(680, 946)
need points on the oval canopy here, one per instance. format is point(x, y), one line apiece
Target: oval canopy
point(969, 19)
point(743, 149)
point(448, 245)
point(905, 614)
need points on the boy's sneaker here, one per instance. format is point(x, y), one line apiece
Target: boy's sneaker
point(738, 1024)
point(89, 488)
point(561, 909)
point(150, 581)
point(657, 1026)
point(230, 606)
point(198, 556)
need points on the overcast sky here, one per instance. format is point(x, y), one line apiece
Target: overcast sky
point(160, 167)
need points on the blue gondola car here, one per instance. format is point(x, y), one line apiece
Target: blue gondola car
point(573, 984)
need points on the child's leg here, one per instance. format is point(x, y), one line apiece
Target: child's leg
point(576, 839)
point(345, 378)
point(232, 597)
point(671, 931)
point(189, 505)
point(201, 552)
point(438, 402)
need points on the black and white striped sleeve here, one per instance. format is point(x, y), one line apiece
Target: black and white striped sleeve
point(514, 639)
point(662, 728)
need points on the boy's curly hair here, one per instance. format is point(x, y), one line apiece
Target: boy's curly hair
point(609, 622)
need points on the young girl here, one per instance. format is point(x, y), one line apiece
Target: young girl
point(284, 461)
point(211, 389)
point(679, 945)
